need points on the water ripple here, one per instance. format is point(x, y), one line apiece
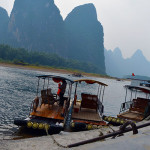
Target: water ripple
point(18, 89)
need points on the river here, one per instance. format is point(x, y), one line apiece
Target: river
point(18, 89)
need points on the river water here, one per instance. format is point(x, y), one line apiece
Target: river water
point(18, 89)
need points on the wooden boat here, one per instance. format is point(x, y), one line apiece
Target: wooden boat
point(87, 112)
point(137, 108)
point(45, 112)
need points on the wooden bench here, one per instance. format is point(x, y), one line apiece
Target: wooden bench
point(43, 96)
point(139, 109)
point(89, 101)
point(47, 97)
point(139, 105)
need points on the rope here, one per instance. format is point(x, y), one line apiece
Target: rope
point(113, 131)
point(111, 128)
point(60, 145)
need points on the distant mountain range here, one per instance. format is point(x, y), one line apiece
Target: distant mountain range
point(117, 66)
point(37, 25)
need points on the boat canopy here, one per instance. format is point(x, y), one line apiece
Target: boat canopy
point(89, 81)
point(141, 88)
point(55, 78)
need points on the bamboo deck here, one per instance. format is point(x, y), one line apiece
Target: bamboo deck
point(132, 116)
point(86, 114)
point(46, 111)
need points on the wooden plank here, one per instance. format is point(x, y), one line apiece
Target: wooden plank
point(91, 122)
point(132, 116)
point(46, 111)
point(87, 114)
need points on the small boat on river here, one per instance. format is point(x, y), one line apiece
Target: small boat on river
point(77, 75)
point(138, 82)
point(46, 112)
point(87, 112)
point(137, 108)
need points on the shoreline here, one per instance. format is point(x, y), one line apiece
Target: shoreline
point(62, 140)
point(54, 70)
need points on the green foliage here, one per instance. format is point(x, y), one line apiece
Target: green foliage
point(21, 56)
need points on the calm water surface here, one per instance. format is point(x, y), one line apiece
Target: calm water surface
point(18, 89)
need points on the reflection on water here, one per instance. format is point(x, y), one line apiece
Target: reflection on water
point(18, 89)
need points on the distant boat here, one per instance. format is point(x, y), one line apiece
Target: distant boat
point(77, 75)
point(138, 82)
point(118, 79)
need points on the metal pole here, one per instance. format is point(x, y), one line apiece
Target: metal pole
point(75, 91)
point(126, 95)
point(103, 94)
point(70, 87)
point(100, 92)
point(48, 83)
point(135, 93)
point(44, 84)
point(38, 86)
point(108, 135)
point(70, 90)
point(146, 95)
point(131, 96)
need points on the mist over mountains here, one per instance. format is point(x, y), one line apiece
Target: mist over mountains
point(85, 35)
point(117, 66)
point(4, 19)
point(37, 25)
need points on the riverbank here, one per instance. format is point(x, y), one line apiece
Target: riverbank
point(51, 69)
point(61, 141)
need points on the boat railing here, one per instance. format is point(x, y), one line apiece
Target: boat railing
point(41, 100)
point(100, 107)
point(125, 106)
point(50, 101)
point(32, 105)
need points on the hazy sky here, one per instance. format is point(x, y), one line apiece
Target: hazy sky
point(126, 23)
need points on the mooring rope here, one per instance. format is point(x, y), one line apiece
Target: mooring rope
point(60, 145)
